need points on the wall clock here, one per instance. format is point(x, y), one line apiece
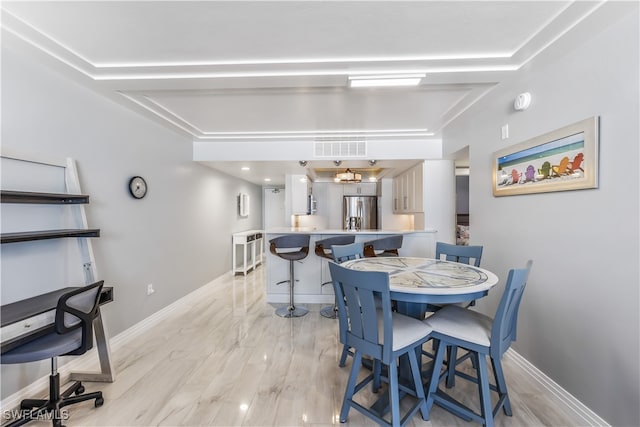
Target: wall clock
point(138, 187)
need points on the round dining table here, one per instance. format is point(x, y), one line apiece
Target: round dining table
point(416, 283)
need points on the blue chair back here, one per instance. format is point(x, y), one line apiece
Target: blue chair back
point(360, 289)
point(342, 253)
point(505, 323)
point(459, 253)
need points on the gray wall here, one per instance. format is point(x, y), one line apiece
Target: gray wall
point(178, 237)
point(579, 318)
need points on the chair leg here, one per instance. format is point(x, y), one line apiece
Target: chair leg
point(32, 403)
point(435, 377)
point(483, 388)
point(394, 394)
point(501, 385)
point(343, 357)
point(417, 383)
point(452, 355)
point(351, 386)
point(377, 373)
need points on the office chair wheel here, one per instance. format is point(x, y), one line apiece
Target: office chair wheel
point(79, 390)
point(99, 402)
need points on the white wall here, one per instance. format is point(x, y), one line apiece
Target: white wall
point(579, 318)
point(178, 237)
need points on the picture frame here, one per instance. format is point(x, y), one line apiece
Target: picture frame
point(243, 205)
point(560, 160)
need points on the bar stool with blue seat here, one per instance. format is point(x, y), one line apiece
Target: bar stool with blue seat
point(323, 249)
point(72, 335)
point(292, 247)
point(383, 247)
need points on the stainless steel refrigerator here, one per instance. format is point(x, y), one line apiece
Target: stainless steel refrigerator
point(360, 213)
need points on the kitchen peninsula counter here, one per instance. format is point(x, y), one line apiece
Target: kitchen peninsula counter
point(313, 271)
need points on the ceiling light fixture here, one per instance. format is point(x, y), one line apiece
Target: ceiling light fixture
point(303, 163)
point(245, 168)
point(386, 80)
point(348, 176)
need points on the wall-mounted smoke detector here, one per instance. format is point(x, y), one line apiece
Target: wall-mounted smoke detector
point(522, 101)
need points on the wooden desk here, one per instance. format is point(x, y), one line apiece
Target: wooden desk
point(25, 320)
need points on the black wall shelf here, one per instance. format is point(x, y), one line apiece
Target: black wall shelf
point(26, 236)
point(8, 196)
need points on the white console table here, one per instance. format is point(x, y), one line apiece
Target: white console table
point(251, 241)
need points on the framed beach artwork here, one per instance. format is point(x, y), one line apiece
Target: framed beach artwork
point(561, 160)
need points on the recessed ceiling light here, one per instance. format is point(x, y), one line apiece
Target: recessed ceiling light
point(267, 179)
point(385, 80)
point(245, 168)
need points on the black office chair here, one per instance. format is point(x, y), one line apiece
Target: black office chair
point(73, 335)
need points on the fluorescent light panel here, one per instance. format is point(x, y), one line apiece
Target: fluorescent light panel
point(385, 80)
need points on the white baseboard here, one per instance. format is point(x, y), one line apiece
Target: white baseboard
point(89, 359)
point(590, 417)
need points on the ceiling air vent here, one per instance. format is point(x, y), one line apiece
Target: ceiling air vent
point(340, 149)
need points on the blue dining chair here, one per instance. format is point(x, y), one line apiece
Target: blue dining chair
point(470, 255)
point(384, 336)
point(342, 253)
point(466, 254)
point(482, 336)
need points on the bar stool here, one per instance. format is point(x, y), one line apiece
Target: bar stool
point(290, 241)
point(388, 246)
point(323, 249)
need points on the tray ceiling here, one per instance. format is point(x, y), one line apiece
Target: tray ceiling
point(263, 71)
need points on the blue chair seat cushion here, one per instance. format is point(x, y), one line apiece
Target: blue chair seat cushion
point(406, 330)
point(462, 323)
point(45, 347)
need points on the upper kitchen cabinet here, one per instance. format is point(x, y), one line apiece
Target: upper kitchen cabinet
point(361, 189)
point(408, 191)
point(297, 191)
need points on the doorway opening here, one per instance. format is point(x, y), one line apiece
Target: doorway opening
point(462, 196)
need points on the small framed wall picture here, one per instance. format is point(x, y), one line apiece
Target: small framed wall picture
point(243, 205)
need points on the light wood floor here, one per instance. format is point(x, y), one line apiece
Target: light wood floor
point(227, 360)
